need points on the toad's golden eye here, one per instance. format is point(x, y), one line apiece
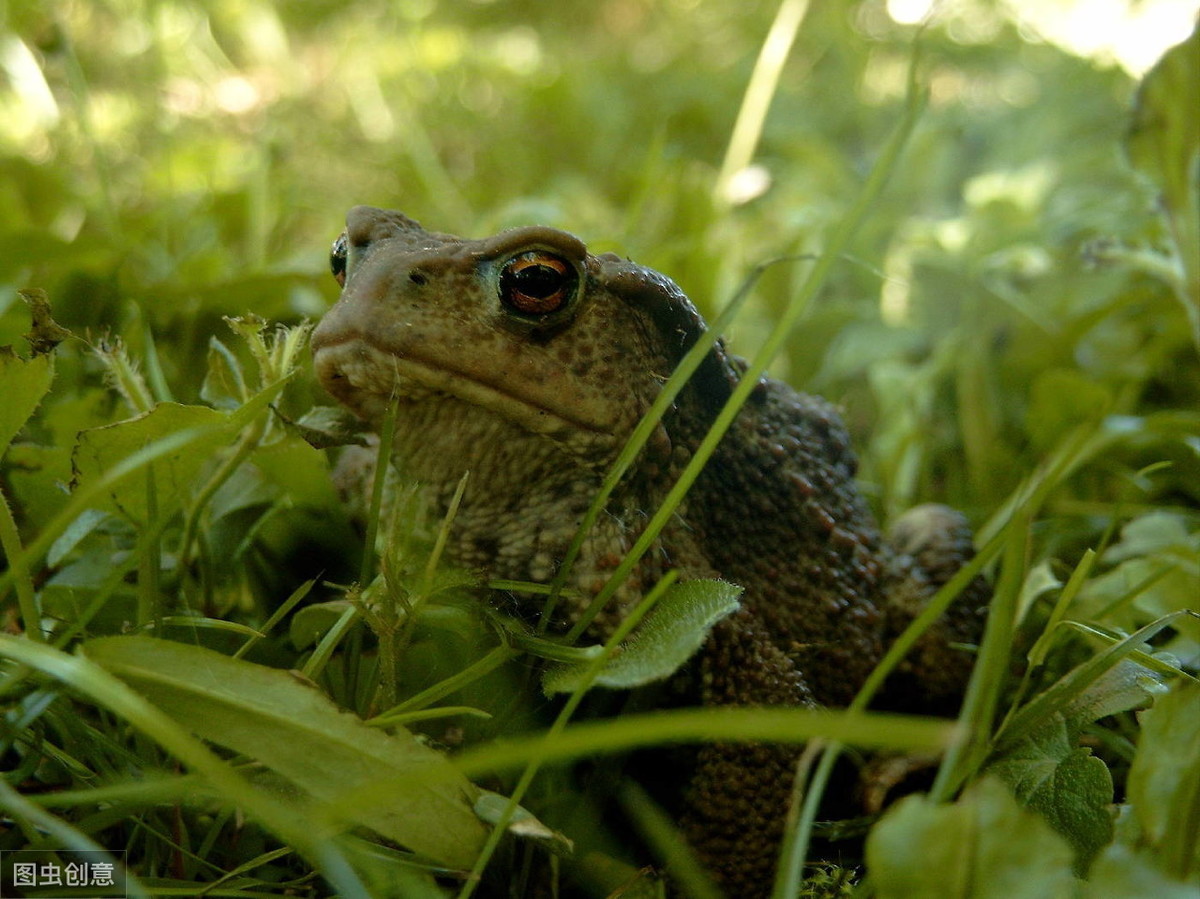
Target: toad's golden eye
point(537, 283)
point(337, 259)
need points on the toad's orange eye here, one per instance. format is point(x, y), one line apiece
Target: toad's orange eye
point(337, 259)
point(537, 283)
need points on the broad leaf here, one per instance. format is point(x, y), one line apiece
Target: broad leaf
point(1069, 786)
point(1164, 145)
point(983, 846)
point(294, 730)
point(1164, 780)
point(522, 824)
point(671, 633)
point(101, 448)
point(1120, 873)
point(1164, 137)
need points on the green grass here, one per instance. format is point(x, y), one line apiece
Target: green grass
point(1003, 304)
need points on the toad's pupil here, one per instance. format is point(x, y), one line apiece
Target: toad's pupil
point(537, 280)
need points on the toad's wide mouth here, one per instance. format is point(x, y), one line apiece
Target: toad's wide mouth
point(363, 376)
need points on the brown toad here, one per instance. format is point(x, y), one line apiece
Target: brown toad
point(527, 361)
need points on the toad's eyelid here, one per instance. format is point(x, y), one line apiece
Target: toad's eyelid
point(535, 238)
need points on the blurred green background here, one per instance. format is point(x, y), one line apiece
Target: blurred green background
point(164, 163)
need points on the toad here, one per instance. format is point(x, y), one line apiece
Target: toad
point(527, 361)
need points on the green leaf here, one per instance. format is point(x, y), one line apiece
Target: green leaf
point(1069, 786)
point(312, 622)
point(1164, 136)
point(1120, 873)
point(1127, 685)
point(89, 521)
point(1062, 399)
point(225, 385)
point(1156, 572)
point(297, 732)
point(1069, 696)
point(323, 427)
point(99, 449)
point(671, 633)
point(300, 471)
point(490, 807)
point(23, 383)
point(1164, 145)
point(983, 846)
point(1164, 780)
point(1160, 531)
point(99, 685)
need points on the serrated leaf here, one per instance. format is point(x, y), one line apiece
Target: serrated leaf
point(1164, 780)
point(297, 732)
point(671, 633)
point(23, 383)
point(983, 846)
point(99, 449)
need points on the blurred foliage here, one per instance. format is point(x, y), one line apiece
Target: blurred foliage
point(168, 163)
point(165, 164)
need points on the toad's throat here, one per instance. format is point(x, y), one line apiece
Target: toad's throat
point(363, 376)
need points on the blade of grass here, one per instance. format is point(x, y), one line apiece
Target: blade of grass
point(484, 666)
point(83, 498)
point(18, 572)
point(108, 691)
point(764, 81)
point(333, 637)
point(66, 836)
point(991, 668)
point(1037, 652)
point(870, 730)
point(644, 430)
point(253, 417)
point(149, 597)
point(660, 831)
point(192, 621)
point(1029, 718)
point(278, 615)
point(797, 306)
point(795, 845)
point(560, 722)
